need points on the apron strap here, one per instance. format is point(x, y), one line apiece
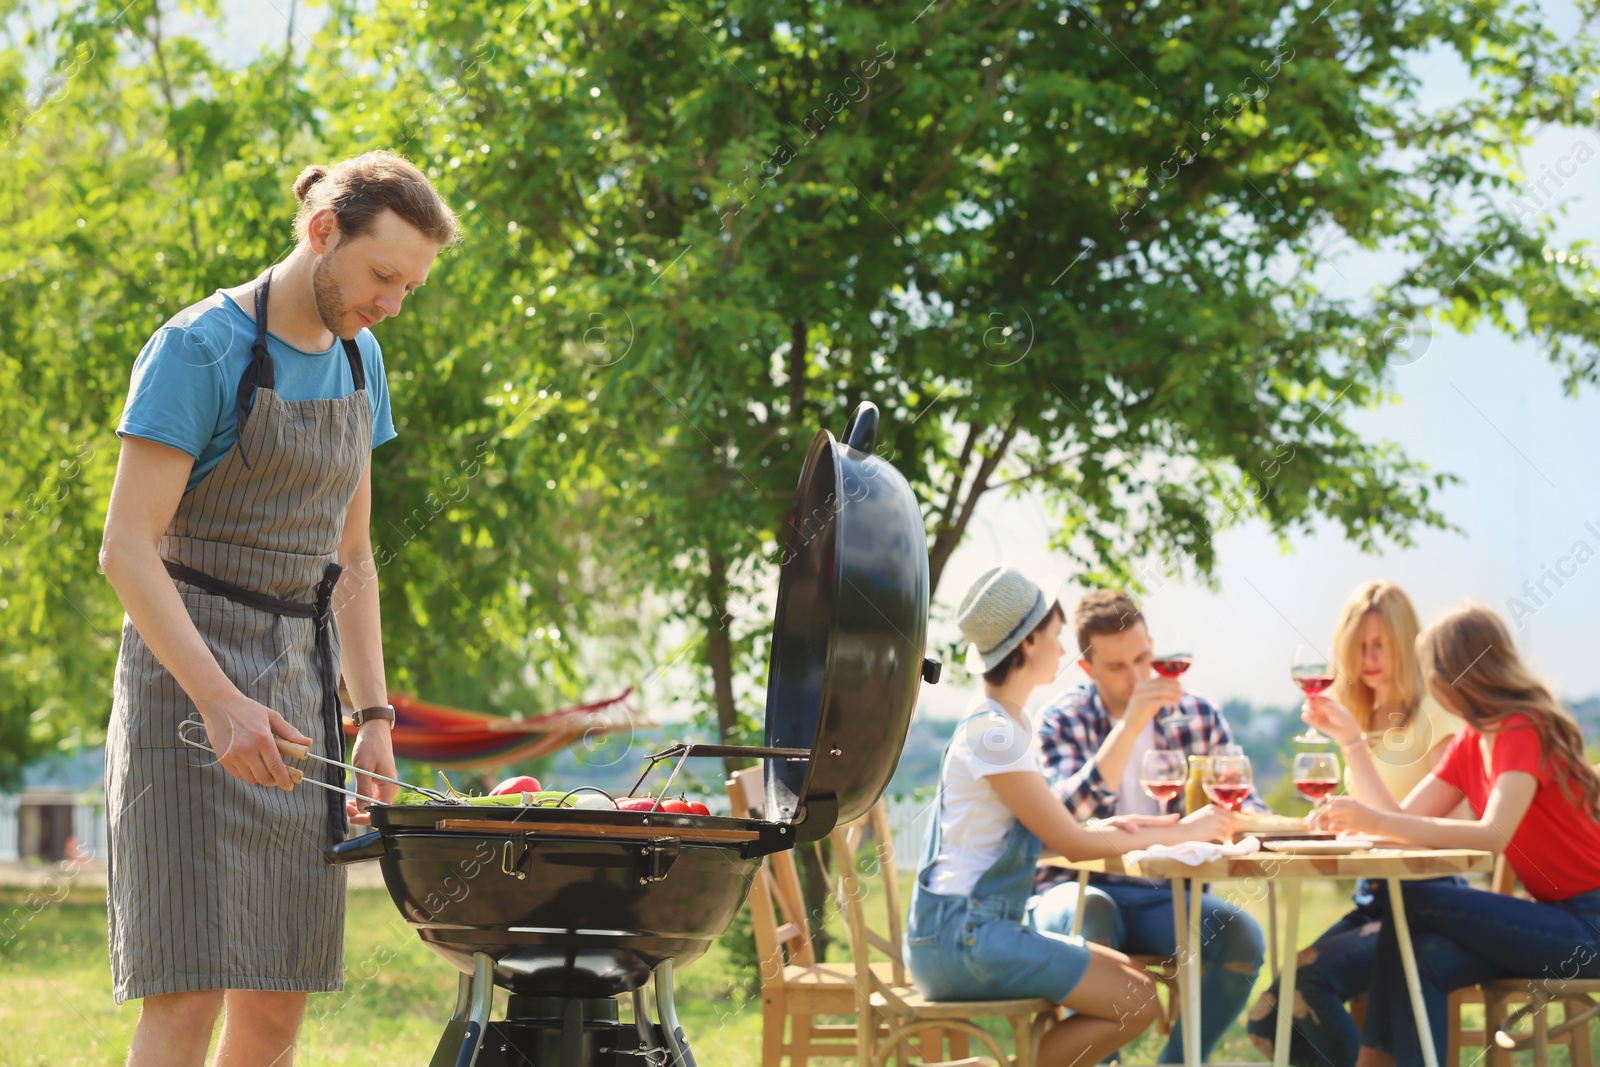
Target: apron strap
point(321, 611)
point(358, 370)
point(259, 373)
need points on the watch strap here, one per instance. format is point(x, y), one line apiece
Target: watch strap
point(378, 711)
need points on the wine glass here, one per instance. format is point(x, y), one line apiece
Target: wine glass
point(1162, 774)
point(1316, 776)
point(1313, 673)
point(1228, 781)
point(1172, 665)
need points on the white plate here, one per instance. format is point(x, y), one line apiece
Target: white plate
point(1317, 848)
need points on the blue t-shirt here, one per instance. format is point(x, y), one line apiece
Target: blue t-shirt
point(186, 380)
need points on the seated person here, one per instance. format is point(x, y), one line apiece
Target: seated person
point(1377, 704)
point(1092, 740)
point(965, 937)
point(1519, 764)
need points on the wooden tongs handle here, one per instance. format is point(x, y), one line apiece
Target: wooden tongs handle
point(293, 751)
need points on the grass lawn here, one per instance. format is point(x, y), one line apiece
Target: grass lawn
point(56, 1008)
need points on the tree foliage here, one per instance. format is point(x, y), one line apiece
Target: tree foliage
point(1068, 248)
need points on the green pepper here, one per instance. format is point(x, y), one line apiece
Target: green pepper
point(546, 799)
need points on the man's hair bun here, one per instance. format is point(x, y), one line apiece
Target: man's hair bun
point(308, 177)
point(359, 189)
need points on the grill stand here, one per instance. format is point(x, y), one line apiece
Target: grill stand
point(463, 1034)
point(677, 1044)
point(561, 1031)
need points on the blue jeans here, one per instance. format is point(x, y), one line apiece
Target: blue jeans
point(1466, 936)
point(1336, 967)
point(1138, 919)
point(978, 948)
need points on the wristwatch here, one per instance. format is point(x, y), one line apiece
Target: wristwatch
point(363, 716)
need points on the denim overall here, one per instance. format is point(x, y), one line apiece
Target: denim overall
point(977, 947)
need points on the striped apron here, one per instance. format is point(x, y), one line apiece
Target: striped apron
point(216, 884)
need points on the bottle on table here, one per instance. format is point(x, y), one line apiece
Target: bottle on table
point(1194, 789)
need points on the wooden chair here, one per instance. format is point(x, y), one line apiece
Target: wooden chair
point(1576, 996)
point(795, 988)
point(889, 1010)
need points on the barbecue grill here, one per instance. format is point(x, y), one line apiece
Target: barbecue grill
point(574, 910)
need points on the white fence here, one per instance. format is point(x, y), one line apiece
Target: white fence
point(10, 829)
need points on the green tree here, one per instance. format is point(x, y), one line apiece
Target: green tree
point(1075, 249)
point(140, 175)
point(1066, 248)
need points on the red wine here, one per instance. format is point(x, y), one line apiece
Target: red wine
point(1230, 794)
point(1313, 683)
point(1163, 791)
point(1315, 789)
point(1170, 668)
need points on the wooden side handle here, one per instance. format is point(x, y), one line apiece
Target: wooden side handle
point(295, 774)
point(292, 750)
point(515, 826)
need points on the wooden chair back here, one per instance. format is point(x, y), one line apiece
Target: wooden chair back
point(889, 938)
point(797, 992)
point(889, 1011)
point(777, 906)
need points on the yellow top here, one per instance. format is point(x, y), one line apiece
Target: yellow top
point(1402, 753)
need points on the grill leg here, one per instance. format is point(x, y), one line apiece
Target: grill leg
point(463, 1035)
point(463, 997)
point(572, 1034)
point(667, 1011)
point(641, 1019)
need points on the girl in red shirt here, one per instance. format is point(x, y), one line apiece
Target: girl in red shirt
point(1520, 766)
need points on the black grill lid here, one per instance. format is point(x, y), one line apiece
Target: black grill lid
point(849, 635)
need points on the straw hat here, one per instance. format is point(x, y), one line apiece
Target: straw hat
point(1002, 607)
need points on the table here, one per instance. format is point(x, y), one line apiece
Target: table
point(1392, 865)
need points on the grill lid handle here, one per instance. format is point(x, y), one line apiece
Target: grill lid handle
point(861, 432)
point(931, 670)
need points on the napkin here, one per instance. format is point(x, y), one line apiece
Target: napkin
point(1194, 853)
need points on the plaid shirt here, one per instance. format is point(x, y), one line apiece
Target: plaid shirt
point(1073, 727)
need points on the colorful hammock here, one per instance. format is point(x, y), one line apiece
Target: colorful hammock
point(450, 737)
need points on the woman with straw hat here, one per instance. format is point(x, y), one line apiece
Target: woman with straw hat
point(966, 938)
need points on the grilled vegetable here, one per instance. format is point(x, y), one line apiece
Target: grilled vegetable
point(545, 799)
point(522, 783)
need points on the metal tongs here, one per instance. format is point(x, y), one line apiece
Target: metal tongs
point(303, 752)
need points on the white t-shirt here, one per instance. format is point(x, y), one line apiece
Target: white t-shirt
point(1131, 797)
point(973, 821)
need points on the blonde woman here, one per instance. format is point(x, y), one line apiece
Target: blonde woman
point(1393, 734)
point(1519, 765)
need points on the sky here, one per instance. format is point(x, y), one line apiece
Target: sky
point(1491, 412)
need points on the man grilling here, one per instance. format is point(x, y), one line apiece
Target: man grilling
point(243, 488)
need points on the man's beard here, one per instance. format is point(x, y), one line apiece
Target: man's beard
point(330, 301)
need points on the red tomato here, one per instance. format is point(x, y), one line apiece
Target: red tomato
point(636, 803)
point(675, 807)
point(697, 808)
point(522, 783)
